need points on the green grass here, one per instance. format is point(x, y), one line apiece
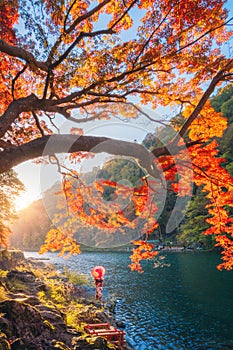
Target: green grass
point(77, 278)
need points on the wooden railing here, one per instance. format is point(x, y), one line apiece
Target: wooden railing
point(105, 330)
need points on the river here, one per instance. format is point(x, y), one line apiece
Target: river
point(186, 306)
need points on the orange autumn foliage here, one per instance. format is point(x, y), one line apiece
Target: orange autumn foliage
point(58, 241)
point(8, 18)
point(144, 251)
point(90, 61)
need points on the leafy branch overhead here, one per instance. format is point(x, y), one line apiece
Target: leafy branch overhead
point(94, 60)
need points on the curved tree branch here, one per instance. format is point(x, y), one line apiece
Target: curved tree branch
point(54, 144)
point(87, 15)
point(33, 103)
point(15, 79)
point(38, 123)
point(19, 52)
point(77, 21)
point(123, 14)
point(76, 41)
point(14, 109)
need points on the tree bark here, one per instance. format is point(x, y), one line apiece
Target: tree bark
point(25, 55)
point(57, 144)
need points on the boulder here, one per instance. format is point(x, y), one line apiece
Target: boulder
point(101, 343)
point(82, 344)
point(23, 282)
point(25, 321)
point(5, 326)
point(24, 276)
point(54, 318)
point(24, 298)
point(29, 328)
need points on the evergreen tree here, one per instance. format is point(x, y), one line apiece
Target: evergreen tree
point(195, 223)
point(223, 102)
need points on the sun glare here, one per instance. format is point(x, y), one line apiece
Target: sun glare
point(23, 201)
point(29, 174)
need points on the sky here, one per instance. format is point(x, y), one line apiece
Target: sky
point(37, 178)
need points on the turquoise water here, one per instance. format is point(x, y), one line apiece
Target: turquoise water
point(188, 305)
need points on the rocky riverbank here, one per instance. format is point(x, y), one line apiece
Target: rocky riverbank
point(43, 309)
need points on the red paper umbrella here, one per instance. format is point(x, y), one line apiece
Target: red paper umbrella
point(98, 272)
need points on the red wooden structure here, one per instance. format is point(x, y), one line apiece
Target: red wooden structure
point(105, 330)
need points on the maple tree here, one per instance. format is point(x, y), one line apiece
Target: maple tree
point(61, 57)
